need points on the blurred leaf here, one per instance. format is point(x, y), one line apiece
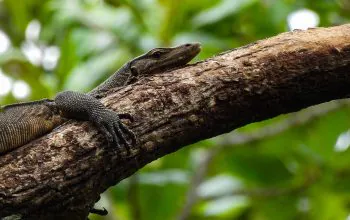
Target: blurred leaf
point(164, 177)
point(219, 186)
point(85, 75)
point(68, 59)
point(257, 168)
point(332, 206)
point(92, 41)
point(19, 17)
point(230, 206)
point(220, 11)
point(161, 197)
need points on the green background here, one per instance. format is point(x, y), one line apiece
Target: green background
point(294, 166)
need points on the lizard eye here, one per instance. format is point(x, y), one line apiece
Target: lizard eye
point(134, 71)
point(156, 54)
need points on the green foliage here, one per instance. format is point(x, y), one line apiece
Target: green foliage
point(298, 173)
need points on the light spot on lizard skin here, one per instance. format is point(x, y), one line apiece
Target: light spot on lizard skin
point(247, 89)
point(133, 152)
point(159, 140)
point(222, 97)
point(193, 118)
point(259, 92)
point(148, 146)
point(212, 102)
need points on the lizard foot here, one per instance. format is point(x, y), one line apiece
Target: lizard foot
point(110, 124)
point(84, 107)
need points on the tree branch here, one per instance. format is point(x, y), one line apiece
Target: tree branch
point(234, 140)
point(237, 139)
point(63, 173)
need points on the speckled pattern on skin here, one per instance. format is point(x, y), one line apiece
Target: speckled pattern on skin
point(81, 106)
point(155, 60)
point(21, 123)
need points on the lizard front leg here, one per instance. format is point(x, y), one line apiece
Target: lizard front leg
point(75, 105)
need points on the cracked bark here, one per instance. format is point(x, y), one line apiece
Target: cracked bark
point(63, 173)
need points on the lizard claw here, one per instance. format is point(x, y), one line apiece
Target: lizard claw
point(129, 133)
point(127, 116)
point(110, 124)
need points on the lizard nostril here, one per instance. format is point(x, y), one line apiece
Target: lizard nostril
point(187, 45)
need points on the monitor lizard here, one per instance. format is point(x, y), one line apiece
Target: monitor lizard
point(21, 123)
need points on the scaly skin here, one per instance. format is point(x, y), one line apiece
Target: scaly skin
point(155, 60)
point(23, 122)
point(20, 124)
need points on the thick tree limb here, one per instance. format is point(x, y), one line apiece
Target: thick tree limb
point(65, 171)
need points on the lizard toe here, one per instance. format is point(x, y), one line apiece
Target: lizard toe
point(127, 116)
point(129, 133)
point(114, 134)
point(107, 135)
point(122, 137)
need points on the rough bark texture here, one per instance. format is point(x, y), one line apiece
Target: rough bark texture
point(65, 171)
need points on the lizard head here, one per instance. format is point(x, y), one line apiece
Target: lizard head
point(161, 59)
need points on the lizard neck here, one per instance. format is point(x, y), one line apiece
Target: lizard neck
point(117, 79)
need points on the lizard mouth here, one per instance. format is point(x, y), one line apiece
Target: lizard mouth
point(194, 48)
point(189, 51)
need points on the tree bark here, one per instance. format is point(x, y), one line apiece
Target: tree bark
point(64, 172)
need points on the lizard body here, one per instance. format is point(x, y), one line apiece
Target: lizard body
point(23, 122)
